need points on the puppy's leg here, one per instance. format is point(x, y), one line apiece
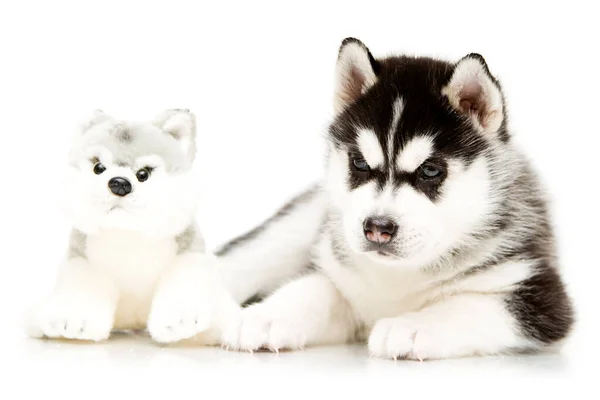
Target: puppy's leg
point(497, 312)
point(307, 311)
point(82, 305)
point(462, 325)
point(190, 299)
point(275, 252)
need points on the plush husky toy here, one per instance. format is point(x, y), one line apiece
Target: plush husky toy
point(136, 258)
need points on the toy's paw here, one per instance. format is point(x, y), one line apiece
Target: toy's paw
point(72, 319)
point(176, 318)
point(255, 330)
point(403, 338)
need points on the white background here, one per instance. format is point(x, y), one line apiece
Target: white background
point(259, 78)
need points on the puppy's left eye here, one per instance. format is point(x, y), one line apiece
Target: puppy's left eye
point(143, 174)
point(360, 164)
point(429, 171)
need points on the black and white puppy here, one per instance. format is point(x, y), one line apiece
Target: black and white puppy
point(429, 236)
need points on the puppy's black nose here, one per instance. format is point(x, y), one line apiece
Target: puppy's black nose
point(379, 229)
point(119, 186)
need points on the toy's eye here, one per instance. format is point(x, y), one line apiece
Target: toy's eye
point(429, 171)
point(99, 168)
point(360, 164)
point(143, 174)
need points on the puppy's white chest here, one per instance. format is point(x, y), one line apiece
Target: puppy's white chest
point(134, 261)
point(379, 296)
point(375, 292)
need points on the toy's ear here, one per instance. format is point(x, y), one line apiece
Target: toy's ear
point(96, 117)
point(474, 92)
point(181, 124)
point(356, 71)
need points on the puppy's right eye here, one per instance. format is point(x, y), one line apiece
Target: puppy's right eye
point(99, 168)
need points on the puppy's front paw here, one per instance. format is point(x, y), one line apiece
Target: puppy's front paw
point(255, 329)
point(392, 338)
point(404, 338)
point(73, 318)
point(176, 317)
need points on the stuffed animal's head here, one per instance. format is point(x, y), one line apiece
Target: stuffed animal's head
point(132, 176)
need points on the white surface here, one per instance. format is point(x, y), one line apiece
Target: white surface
point(259, 78)
point(134, 365)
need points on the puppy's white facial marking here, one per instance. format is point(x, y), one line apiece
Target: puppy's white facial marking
point(370, 148)
point(414, 153)
point(398, 107)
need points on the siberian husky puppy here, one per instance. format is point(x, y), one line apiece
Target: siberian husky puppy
point(136, 258)
point(429, 236)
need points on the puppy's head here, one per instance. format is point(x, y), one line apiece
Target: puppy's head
point(132, 176)
point(411, 152)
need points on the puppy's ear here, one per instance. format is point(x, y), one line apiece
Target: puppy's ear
point(96, 117)
point(473, 91)
point(181, 124)
point(356, 71)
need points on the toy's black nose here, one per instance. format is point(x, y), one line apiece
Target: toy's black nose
point(379, 229)
point(119, 186)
